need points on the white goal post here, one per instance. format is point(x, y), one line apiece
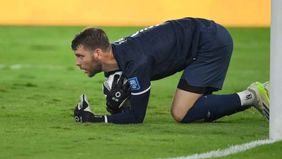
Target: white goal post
point(275, 123)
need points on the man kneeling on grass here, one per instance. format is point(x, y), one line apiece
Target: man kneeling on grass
point(200, 48)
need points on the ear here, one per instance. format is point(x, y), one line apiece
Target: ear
point(98, 53)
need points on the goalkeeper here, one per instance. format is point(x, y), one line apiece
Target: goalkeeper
point(200, 48)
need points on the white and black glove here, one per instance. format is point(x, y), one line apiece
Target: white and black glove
point(83, 113)
point(117, 91)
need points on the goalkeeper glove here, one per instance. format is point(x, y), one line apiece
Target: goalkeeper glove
point(83, 113)
point(117, 94)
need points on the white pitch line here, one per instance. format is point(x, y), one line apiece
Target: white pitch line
point(228, 151)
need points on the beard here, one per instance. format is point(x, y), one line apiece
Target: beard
point(96, 68)
point(93, 73)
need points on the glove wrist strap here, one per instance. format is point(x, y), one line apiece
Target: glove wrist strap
point(99, 119)
point(106, 118)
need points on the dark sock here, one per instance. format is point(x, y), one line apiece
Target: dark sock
point(212, 107)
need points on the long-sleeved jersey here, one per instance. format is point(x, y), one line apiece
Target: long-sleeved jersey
point(151, 54)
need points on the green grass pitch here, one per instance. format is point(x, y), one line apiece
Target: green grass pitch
point(39, 87)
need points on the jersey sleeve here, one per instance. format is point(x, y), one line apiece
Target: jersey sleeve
point(139, 79)
point(135, 114)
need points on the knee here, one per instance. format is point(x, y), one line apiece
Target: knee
point(177, 114)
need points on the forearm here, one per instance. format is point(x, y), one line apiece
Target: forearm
point(135, 114)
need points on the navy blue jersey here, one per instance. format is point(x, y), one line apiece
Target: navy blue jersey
point(157, 52)
point(154, 53)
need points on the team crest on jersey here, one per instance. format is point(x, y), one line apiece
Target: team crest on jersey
point(134, 83)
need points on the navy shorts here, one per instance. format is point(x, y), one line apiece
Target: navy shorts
point(207, 72)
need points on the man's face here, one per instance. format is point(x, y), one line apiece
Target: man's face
point(87, 61)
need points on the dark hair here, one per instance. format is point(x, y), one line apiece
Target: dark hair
point(91, 38)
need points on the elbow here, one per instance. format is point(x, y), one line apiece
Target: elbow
point(138, 119)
